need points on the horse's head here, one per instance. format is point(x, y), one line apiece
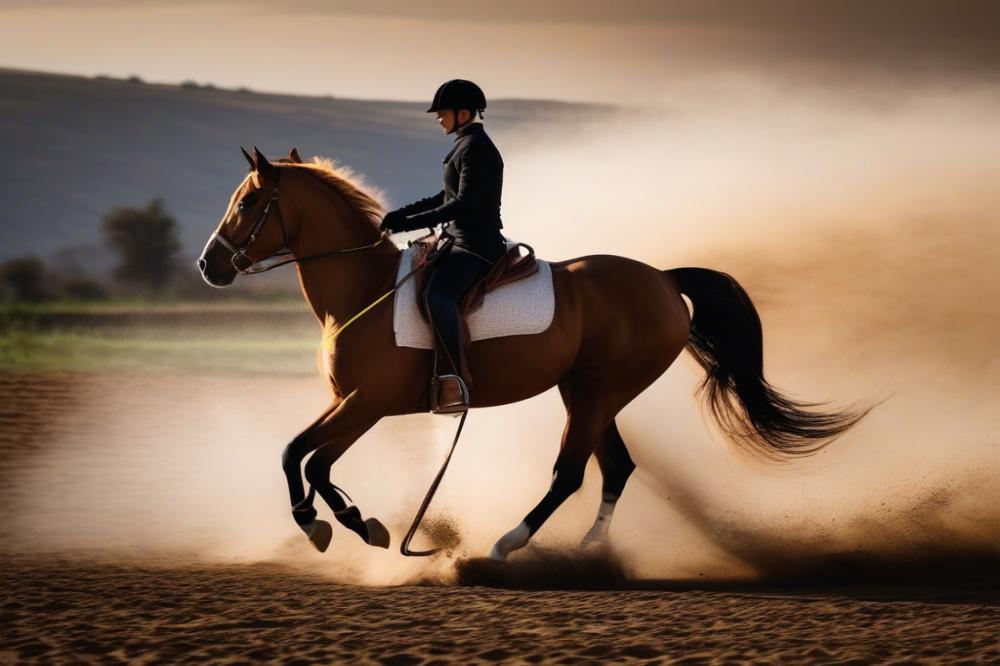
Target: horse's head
point(251, 229)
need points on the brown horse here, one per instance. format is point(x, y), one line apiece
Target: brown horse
point(618, 325)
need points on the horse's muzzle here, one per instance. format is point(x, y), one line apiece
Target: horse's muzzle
point(215, 264)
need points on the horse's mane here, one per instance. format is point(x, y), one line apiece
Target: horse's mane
point(367, 200)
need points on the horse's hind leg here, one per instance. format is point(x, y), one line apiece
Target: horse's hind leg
point(584, 427)
point(616, 467)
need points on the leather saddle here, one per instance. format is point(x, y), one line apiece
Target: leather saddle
point(512, 266)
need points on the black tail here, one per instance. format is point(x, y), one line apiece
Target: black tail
point(727, 341)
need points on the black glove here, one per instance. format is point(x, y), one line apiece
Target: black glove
point(393, 221)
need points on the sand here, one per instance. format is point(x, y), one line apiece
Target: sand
point(73, 603)
point(58, 609)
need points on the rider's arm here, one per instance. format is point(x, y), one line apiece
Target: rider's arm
point(397, 221)
point(424, 204)
point(470, 185)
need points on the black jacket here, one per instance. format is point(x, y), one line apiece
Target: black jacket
point(470, 200)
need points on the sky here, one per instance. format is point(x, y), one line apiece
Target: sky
point(638, 52)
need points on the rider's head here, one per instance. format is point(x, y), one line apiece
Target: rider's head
point(456, 103)
point(452, 119)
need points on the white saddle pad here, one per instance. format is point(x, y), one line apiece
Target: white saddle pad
point(524, 307)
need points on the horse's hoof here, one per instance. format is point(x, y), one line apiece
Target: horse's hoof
point(508, 543)
point(377, 534)
point(320, 533)
point(497, 555)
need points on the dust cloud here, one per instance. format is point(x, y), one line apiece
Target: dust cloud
point(867, 235)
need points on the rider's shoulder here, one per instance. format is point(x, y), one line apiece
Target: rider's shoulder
point(476, 141)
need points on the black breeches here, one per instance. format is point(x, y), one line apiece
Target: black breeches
point(450, 280)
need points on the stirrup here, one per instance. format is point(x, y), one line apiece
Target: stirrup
point(449, 395)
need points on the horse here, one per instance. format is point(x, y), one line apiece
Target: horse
point(618, 325)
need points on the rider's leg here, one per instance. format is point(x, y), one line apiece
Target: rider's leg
point(446, 320)
point(616, 467)
point(338, 427)
point(453, 276)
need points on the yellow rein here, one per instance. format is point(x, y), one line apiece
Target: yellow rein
point(330, 337)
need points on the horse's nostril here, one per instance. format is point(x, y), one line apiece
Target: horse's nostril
point(202, 265)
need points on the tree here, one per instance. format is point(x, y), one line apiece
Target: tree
point(24, 278)
point(83, 288)
point(146, 242)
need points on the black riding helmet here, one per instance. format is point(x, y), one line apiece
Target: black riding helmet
point(459, 94)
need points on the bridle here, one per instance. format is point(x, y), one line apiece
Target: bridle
point(252, 267)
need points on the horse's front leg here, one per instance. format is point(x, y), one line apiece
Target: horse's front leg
point(329, 436)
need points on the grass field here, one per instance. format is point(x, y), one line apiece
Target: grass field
point(233, 338)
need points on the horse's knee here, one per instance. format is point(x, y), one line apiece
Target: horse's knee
point(317, 470)
point(291, 459)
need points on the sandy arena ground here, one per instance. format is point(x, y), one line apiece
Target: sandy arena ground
point(61, 605)
point(107, 612)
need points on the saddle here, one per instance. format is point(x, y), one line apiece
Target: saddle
point(512, 266)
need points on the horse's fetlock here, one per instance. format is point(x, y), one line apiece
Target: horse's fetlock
point(304, 516)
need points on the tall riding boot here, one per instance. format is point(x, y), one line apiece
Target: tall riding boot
point(449, 391)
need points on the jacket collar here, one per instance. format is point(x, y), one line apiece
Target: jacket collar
point(471, 128)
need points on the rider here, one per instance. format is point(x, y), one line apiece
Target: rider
point(469, 204)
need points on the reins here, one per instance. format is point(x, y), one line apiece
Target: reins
point(404, 547)
point(328, 339)
point(252, 270)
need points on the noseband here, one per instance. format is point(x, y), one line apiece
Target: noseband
point(253, 267)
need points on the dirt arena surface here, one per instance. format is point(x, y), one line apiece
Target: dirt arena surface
point(111, 601)
point(66, 610)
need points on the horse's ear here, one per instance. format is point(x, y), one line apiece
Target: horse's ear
point(293, 155)
point(263, 166)
point(249, 158)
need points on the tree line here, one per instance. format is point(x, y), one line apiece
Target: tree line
point(144, 241)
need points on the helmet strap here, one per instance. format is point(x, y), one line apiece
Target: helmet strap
point(458, 127)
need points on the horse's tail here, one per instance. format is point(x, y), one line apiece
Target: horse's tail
point(727, 341)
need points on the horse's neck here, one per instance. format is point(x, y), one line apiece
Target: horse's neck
point(341, 285)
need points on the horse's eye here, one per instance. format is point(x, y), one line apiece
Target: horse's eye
point(247, 202)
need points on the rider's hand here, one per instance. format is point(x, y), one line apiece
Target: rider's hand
point(393, 221)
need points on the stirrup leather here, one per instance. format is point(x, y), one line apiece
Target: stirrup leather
point(449, 395)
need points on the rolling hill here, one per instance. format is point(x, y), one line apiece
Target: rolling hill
point(76, 147)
